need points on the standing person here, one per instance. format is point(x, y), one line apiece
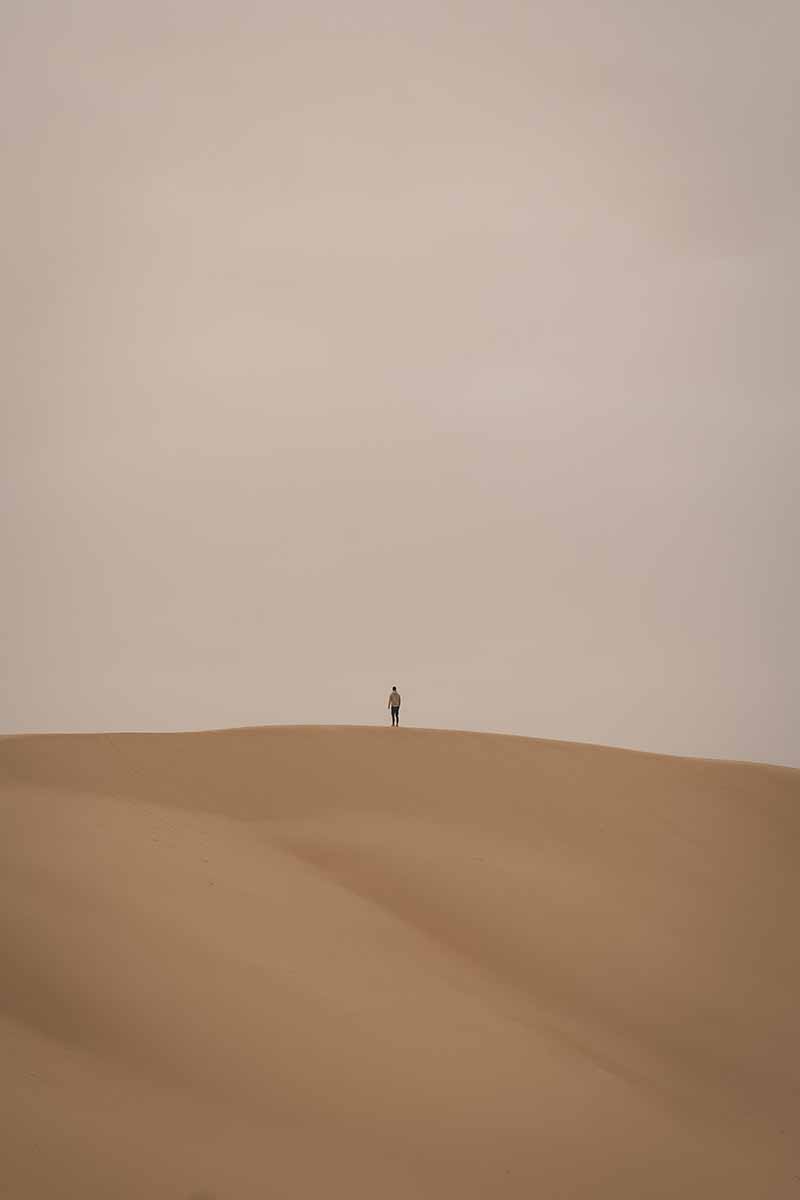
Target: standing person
point(394, 705)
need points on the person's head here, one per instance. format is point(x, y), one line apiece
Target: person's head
point(394, 687)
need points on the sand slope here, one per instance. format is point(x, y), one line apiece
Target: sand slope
point(353, 962)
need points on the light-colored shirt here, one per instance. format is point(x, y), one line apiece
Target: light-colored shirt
point(394, 699)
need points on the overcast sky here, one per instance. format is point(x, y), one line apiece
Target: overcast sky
point(446, 345)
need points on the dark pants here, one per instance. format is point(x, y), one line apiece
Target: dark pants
point(395, 714)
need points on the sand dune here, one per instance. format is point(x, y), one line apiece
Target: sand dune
point(352, 962)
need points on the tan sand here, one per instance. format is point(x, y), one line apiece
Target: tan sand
point(362, 963)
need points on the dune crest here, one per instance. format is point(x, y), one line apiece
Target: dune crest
point(358, 962)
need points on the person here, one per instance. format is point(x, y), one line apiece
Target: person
point(394, 704)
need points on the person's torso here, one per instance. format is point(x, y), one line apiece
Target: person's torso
point(394, 699)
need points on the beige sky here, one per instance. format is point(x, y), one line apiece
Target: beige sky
point(451, 346)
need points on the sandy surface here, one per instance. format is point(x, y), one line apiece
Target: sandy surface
point(356, 962)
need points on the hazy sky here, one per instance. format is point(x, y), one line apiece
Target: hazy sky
point(446, 345)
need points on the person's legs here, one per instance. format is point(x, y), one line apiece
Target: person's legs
point(395, 715)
